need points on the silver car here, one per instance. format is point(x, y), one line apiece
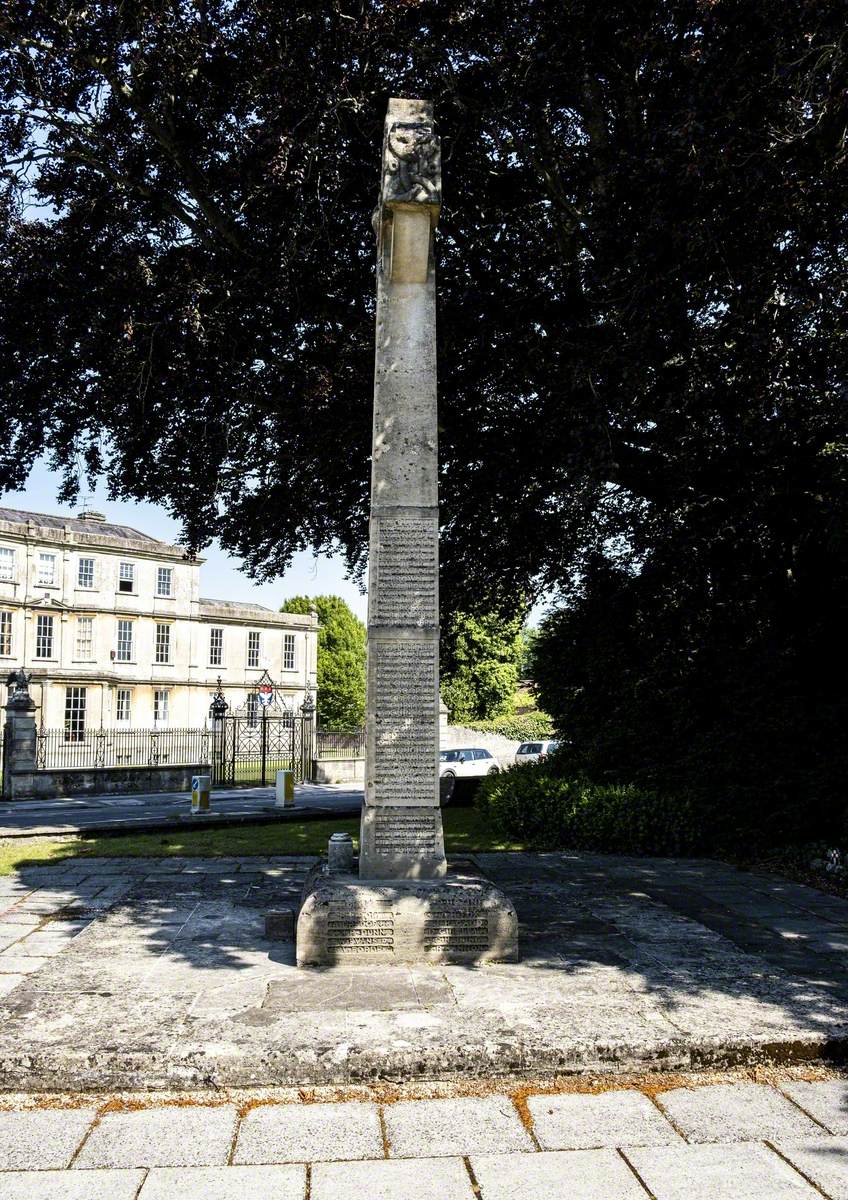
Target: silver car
point(533, 751)
point(465, 763)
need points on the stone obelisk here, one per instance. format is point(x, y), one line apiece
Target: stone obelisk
point(401, 835)
point(401, 908)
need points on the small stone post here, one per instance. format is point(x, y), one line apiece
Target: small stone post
point(19, 738)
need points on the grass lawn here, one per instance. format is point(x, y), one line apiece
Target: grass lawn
point(464, 830)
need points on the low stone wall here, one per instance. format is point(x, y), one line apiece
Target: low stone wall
point(78, 781)
point(453, 737)
point(338, 770)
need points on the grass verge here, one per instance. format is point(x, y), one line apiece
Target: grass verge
point(464, 831)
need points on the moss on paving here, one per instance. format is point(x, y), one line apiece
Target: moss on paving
point(464, 831)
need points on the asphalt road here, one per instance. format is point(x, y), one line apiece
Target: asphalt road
point(71, 814)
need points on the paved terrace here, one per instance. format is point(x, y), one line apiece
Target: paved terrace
point(726, 1141)
point(145, 974)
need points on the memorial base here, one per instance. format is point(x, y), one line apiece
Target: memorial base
point(402, 842)
point(347, 921)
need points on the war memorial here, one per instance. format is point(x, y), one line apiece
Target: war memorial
point(403, 906)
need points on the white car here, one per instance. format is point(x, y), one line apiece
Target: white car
point(533, 751)
point(471, 763)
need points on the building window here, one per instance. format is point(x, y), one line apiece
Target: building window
point(288, 651)
point(85, 573)
point(164, 581)
point(124, 649)
point(43, 636)
point(123, 704)
point(5, 633)
point(253, 648)
point(7, 564)
point(163, 643)
point(160, 705)
point(253, 708)
point(126, 577)
point(85, 637)
point(74, 714)
point(46, 576)
point(216, 647)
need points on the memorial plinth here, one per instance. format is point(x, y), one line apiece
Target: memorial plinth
point(401, 908)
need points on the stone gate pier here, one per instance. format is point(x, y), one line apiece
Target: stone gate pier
point(403, 906)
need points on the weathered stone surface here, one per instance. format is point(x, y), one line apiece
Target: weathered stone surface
point(735, 1112)
point(346, 920)
point(486, 1125)
point(717, 1173)
point(283, 1133)
point(583, 1122)
point(579, 1175)
point(161, 1137)
point(424, 1179)
point(826, 1102)
point(823, 1160)
point(225, 1183)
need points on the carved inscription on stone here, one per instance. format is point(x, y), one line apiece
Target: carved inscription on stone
point(352, 930)
point(402, 833)
point(404, 692)
point(456, 922)
point(407, 569)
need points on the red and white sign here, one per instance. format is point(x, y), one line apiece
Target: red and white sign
point(266, 694)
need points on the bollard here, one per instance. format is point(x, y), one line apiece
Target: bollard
point(284, 797)
point(200, 788)
point(340, 854)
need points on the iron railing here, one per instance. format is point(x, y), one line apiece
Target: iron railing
point(335, 743)
point(123, 748)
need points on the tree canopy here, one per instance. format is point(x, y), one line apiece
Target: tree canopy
point(641, 297)
point(341, 660)
point(480, 656)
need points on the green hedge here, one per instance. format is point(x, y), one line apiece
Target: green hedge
point(523, 728)
point(532, 804)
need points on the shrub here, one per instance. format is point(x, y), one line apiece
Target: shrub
point(533, 803)
point(522, 728)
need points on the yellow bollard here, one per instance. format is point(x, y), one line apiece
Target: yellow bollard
point(200, 788)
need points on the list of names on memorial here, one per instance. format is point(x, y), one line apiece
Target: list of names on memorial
point(405, 682)
point(407, 571)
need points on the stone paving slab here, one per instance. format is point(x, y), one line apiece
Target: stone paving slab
point(826, 1102)
point(736, 1112)
point(422, 1179)
point(161, 1137)
point(583, 1122)
point(42, 1140)
point(224, 1183)
point(718, 1173)
point(823, 1161)
point(551, 1175)
point(419, 1128)
point(70, 1185)
point(627, 965)
point(308, 1133)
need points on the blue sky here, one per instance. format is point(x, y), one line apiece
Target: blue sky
point(220, 577)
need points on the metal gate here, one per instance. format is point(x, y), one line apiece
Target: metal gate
point(252, 747)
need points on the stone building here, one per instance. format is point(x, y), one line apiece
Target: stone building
point(111, 625)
